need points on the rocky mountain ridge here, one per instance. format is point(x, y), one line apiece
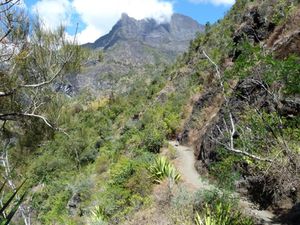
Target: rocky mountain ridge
point(180, 30)
point(134, 49)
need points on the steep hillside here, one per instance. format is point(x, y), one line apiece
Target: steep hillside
point(245, 123)
point(233, 98)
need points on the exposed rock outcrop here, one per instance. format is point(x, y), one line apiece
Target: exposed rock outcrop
point(74, 205)
point(254, 27)
point(130, 48)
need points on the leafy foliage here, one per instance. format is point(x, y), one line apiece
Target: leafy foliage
point(221, 215)
point(162, 169)
point(220, 209)
point(107, 143)
point(254, 62)
point(10, 207)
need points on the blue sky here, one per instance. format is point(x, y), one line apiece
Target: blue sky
point(96, 17)
point(204, 12)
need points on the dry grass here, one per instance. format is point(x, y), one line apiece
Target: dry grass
point(177, 210)
point(158, 212)
point(286, 37)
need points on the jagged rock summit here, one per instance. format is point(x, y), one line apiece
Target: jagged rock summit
point(130, 48)
point(173, 35)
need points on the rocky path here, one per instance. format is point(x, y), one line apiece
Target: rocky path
point(185, 164)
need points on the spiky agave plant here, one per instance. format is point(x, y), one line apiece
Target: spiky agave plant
point(222, 214)
point(98, 216)
point(10, 205)
point(162, 169)
point(208, 218)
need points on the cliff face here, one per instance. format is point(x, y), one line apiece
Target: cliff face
point(258, 61)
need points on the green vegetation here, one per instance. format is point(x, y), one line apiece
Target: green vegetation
point(95, 159)
point(221, 215)
point(103, 154)
point(261, 86)
point(220, 209)
point(254, 62)
point(10, 206)
point(162, 169)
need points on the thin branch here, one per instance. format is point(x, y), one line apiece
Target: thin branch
point(218, 72)
point(4, 94)
point(58, 72)
point(232, 131)
point(240, 152)
point(6, 34)
point(13, 116)
point(48, 81)
point(5, 2)
point(40, 117)
point(9, 4)
point(3, 125)
point(216, 66)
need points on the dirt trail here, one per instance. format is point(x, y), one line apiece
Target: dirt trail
point(185, 164)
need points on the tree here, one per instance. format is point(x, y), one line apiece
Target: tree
point(31, 60)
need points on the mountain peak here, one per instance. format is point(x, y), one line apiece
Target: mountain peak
point(147, 31)
point(125, 17)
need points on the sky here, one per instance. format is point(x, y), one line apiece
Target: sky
point(96, 17)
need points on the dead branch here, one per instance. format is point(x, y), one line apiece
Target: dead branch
point(5, 94)
point(218, 72)
point(45, 82)
point(15, 116)
point(240, 152)
point(6, 2)
point(231, 129)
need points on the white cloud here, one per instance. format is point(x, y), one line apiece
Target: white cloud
point(89, 34)
point(53, 12)
point(215, 2)
point(101, 15)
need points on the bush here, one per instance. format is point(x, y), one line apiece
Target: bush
point(153, 139)
point(102, 164)
point(162, 169)
point(122, 171)
point(218, 208)
point(222, 214)
point(98, 216)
